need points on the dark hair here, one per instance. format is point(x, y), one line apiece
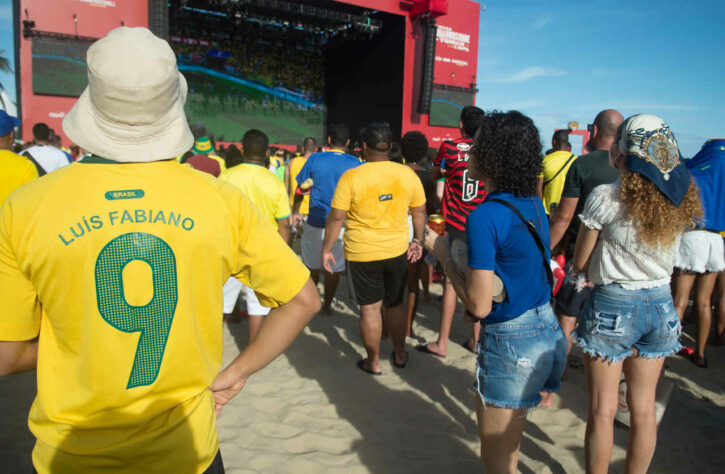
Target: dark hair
point(507, 149)
point(395, 154)
point(561, 138)
point(414, 146)
point(233, 156)
point(186, 156)
point(471, 118)
point(309, 145)
point(41, 132)
point(378, 136)
point(339, 134)
point(254, 144)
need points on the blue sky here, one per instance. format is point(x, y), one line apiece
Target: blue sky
point(558, 61)
point(6, 43)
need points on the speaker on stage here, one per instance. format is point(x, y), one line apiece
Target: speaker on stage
point(159, 18)
point(429, 56)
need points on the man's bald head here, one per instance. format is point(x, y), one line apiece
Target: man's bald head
point(605, 128)
point(608, 121)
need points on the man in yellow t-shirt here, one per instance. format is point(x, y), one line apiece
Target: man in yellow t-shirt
point(309, 146)
point(267, 192)
point(555, 166)
point(373, 200)
point(112, 289)
point(15, 170)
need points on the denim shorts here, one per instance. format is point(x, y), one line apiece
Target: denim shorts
point(615, 320)
point(519, 358)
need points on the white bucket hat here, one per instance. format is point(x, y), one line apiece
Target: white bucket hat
point(133, 107)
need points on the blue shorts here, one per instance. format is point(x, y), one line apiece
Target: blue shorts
point(519, 358)
point(615, 320)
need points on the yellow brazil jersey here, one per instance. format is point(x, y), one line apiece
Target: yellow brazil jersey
point(295, 165)
point(553, 182)
point(121, 277)
point(262, 187)
point(377, 196)
point(15, 170)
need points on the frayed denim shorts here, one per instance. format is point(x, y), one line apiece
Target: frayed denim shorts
point(519, 358)
point(615, 320)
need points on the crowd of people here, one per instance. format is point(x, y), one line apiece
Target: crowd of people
point(167, 243)
point(268, 64)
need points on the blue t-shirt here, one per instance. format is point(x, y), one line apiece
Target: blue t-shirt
point(325, 169)
point(499, 241)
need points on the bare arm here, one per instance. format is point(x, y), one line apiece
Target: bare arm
point(287, 183)
point(332, 230)
point(561, 219)
point(435, 173)
point(296, 217)
point(280, 328)
point(297, 203)
point(540, 187)
point(475, 291)
point(18, 356)
point(585, 242)
point(283, 228)
point(415, 249)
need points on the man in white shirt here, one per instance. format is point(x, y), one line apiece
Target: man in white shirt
point(43, 154)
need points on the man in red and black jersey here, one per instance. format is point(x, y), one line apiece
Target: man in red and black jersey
point(461, 195)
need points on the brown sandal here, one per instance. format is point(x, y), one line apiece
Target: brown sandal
point(699, 361)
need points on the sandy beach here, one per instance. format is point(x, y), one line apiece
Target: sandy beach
point(313, 411)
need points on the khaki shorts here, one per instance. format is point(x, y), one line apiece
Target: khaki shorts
point(312, 239)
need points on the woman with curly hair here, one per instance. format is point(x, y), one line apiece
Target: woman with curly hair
point(628, 241)
point(522, 349)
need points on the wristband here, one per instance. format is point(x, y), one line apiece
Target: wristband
point(416, 241)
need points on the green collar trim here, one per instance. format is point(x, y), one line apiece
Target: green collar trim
point(93, 159)
point(97, 160)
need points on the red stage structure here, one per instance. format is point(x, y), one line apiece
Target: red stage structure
point(453, 68)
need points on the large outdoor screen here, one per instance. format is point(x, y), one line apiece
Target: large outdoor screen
point(59, 66)
point(446, 105)
point(235, 86)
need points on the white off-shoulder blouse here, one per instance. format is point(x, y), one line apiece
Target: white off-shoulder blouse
point(620, 256)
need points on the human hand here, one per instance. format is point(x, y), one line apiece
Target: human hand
point(296, 220)
point(415, 251)
point(327, 261)
point(436, 244)
point(225, 387)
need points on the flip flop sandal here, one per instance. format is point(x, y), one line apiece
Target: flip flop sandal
point(361, 366)
point(424, 348)
point(699, 362)
point(400, 366)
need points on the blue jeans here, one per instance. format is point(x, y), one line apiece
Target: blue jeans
point(519, 358)
point(615, 320)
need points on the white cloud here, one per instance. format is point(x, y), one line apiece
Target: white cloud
point(522, 105)
point(656, 107)
point(542, 21)
point(639, 107)
point(529, 73)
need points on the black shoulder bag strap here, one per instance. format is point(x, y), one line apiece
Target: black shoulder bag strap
point(40, 169)
point(535, 234)
point(571, 157)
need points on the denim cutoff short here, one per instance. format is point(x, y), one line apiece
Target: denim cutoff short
point(615, 320)
point(519, 358)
